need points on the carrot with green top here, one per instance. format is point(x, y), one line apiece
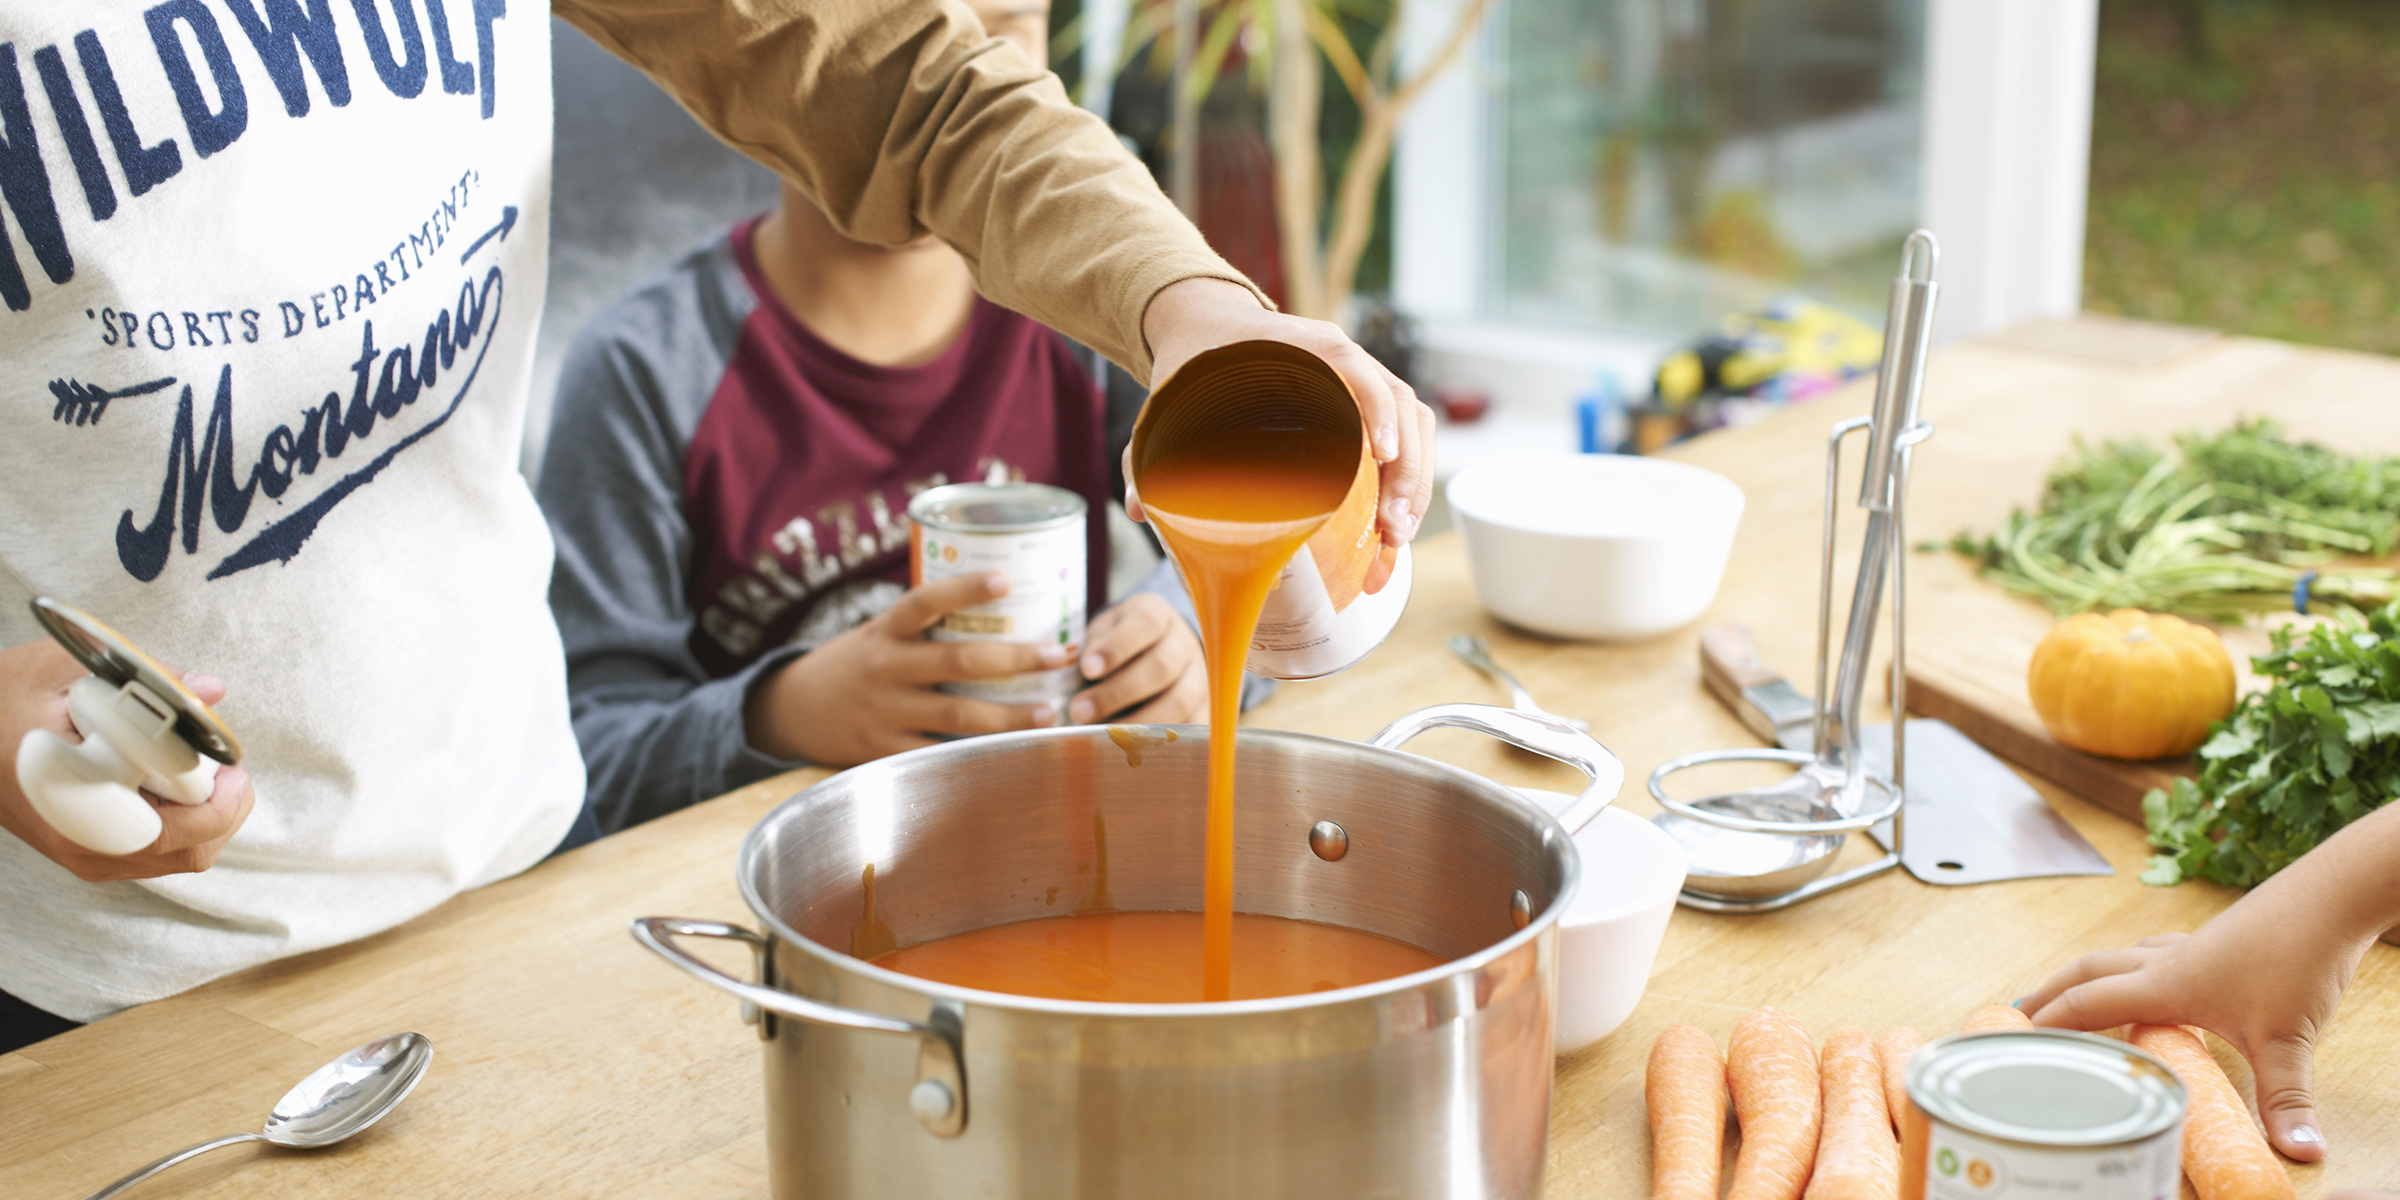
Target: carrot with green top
point(1892, 1052)
point(1995, 1016)
point(1857, 1156)
point(2223, 1152)
point(1685, 1091)
point(1771, 1064)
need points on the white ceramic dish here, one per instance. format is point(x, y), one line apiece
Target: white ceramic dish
point(1605, 546)
point(1609, 938)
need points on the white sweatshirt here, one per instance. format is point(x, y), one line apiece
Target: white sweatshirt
point(270, 287)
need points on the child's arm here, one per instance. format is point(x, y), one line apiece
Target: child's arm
point(2265, 974)
point(656, 732)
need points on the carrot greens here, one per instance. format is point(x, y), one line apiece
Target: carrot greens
point(2228, 524)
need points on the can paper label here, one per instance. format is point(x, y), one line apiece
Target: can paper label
point(1962, 1166)
point(1301, 635)
point(1045, 602)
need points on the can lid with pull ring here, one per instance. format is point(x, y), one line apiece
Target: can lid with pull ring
point(116, 661)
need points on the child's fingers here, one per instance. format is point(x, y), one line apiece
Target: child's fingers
point(920, 663)
point(935, 712)
point(1381, 395)
point(925, 604)
point(209, 688)
point(1133, 502)
point(2083, 970)
point(1145, 676)
point(2284, 1071)
point(1127, 629)
point(2104, 1003)
point(1407, 479)
point(1185, 700)
point(191, 826)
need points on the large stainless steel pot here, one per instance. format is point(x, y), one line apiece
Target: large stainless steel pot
point(1435, 1084)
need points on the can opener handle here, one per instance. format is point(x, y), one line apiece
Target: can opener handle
point(85, 790)
point(1541, 733)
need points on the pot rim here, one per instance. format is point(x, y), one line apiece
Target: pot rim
point(1553, 834)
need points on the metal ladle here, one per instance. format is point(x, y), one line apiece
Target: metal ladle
point(334, 1102)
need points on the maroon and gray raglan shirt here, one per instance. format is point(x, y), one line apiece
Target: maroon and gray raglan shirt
point(727, 490)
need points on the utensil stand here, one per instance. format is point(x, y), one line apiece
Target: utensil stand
point(1827, 791)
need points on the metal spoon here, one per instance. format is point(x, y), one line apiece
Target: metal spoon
point(1477, 653)
point(337, 1100)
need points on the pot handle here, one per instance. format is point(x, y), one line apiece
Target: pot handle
point(1539, 732)
point(939, 1097)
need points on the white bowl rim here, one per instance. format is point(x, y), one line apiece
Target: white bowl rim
point(1724, 490)
point(1551, 801)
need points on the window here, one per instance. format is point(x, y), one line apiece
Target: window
point(1659, 163)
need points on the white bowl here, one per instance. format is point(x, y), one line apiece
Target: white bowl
point(1609, 939)
point(1607, 546)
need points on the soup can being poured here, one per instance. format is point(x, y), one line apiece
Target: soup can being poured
point(1034, 534)
point(2013, 1114)
point(1320, 616)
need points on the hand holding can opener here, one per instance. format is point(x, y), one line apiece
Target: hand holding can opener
point(141, 729)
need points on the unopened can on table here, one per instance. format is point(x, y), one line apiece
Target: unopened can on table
point(2043, 1113)
point(1034, 534)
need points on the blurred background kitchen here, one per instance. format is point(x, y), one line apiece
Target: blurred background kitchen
point(1604, 224)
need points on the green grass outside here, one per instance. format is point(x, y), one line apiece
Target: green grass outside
point(2246, 168)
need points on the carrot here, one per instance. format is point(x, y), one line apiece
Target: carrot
point(1686, 1094)
point(1772, 1066)
point(1857, 1156)
point(2225, 1155)
point(1892, 1052)
point(1995, 1016)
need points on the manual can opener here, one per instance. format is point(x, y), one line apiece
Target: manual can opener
point(141, 729)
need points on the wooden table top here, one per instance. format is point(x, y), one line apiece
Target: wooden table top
point(568, 1062)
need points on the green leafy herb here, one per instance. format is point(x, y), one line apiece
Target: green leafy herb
point(2226, 526)
point(2317, 750)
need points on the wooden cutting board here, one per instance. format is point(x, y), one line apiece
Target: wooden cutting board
point(1980, 689)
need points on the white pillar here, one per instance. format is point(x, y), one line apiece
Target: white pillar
point(1103, 42)
point(2007, 157)
point(1441, 172)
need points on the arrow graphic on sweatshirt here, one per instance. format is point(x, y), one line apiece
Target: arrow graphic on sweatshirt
point(508, 221)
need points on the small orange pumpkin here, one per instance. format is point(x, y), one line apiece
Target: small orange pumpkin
point(2130, 684)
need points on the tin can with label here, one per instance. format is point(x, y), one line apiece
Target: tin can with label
point(1320, 617)
point(1034, 534)
point(2014, 1114)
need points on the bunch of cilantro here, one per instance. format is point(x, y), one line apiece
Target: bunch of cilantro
point(2291, 765)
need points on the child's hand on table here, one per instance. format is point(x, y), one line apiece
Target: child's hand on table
point(2265, 974)
point(33, 695)
point(1141, 657)
point(870, 691)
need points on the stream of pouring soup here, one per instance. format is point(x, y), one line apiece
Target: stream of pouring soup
point(1233, 502)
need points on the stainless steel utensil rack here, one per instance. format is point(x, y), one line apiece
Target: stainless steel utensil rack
point(1834, 776)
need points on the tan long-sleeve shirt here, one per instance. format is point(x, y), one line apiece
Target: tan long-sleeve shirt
point(901, 117)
